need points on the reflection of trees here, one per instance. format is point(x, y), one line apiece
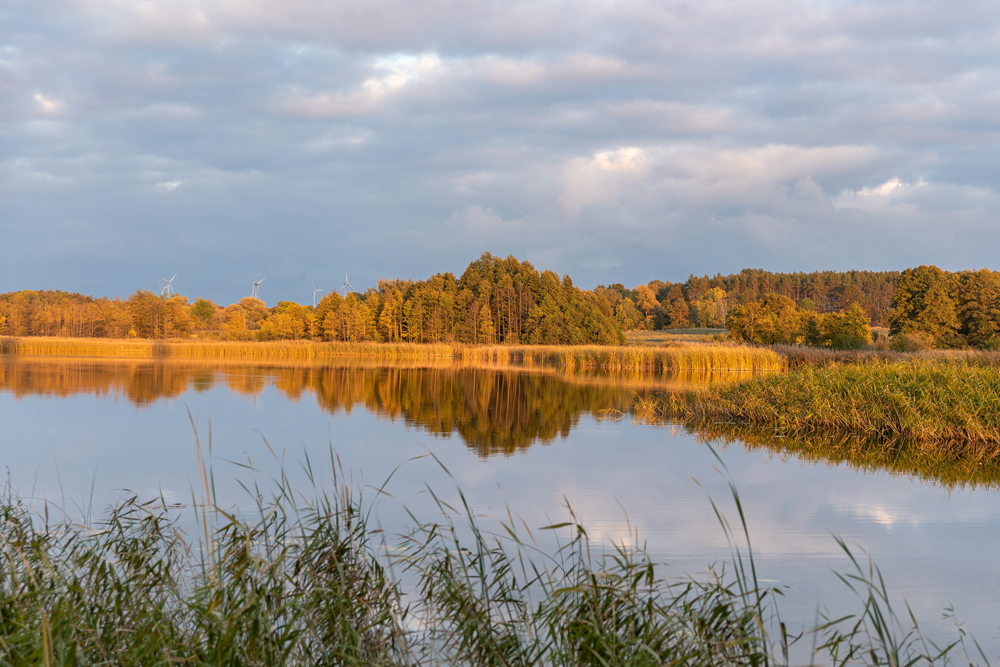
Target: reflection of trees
point(954, 465)
point(141, 382)
point(495, 411)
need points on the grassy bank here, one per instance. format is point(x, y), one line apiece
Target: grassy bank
point(307, 583)
point(624, 358)
point(954, 403)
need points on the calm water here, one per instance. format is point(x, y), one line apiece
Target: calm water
point(83, 433)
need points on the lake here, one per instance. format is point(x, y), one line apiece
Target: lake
point(81, 433)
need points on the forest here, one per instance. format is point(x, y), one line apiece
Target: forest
point(507, 301)
point(706, 302)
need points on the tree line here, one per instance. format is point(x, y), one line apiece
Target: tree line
point(507, 301)
point(706, 301)
point(495, 301)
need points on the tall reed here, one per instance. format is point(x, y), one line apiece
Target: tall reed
point(307, 583)
point(632, 358)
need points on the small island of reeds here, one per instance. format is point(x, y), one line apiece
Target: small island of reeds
point(933, 401)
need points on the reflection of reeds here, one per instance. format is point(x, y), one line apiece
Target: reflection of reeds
point(939, 402)
point(308, 582)
point(662, 359)
point(969, 466)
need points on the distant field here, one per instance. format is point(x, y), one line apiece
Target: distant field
point(672, 336)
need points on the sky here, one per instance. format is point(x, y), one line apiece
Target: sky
point(614, 141)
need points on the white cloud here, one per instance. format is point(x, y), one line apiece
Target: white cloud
point(877, 197)
point(394, 74)
point(599, 178)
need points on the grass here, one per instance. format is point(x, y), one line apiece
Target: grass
point(952, 403)
point(624, 358)
point(309, 582)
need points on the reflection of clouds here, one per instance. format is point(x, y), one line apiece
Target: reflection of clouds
point(874, 511)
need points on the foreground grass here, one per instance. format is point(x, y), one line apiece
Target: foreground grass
point(307, 583)
point(623, 358)
point(933, 402)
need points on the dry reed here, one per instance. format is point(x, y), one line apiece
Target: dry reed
point(693, 357)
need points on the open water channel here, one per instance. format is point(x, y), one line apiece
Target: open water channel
point(83, 433)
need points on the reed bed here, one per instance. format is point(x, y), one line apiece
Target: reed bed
point(300, 350)
point(702, 357)
point(692, 357)
point(802, 355)
point(309, 583)
point(939, 402)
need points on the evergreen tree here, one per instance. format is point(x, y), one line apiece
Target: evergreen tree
point(923, 304)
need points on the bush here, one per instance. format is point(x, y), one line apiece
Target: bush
point(911, 342)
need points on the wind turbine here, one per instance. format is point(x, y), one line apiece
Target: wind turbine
point(346, 284)
point(256, 285)
point(314, 294)
point(167, 289)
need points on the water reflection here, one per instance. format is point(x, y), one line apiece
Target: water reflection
point(72, 434)
point(954, 466)
point(495, 410)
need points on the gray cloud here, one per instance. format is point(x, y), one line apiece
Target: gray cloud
point(618, 142)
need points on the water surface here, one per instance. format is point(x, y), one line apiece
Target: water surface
point(82, 433)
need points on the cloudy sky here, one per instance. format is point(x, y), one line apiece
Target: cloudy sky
point(614, 140)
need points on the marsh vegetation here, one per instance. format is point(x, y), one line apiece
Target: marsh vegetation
point(940, 402)
point(305, 580)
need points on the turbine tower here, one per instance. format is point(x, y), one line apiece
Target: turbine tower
point(256, 285)
point(346, 285)
point(314, 293)
point(166, 289)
